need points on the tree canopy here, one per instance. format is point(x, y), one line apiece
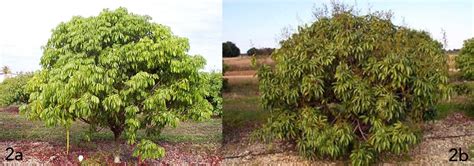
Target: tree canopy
point(465, 59)
point(229, 49)
point(121, 71)
point(260, 51)
point(13, 90)
point(352, 85)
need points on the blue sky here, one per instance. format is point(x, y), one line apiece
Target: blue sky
point(259, 23)
point(26, 25)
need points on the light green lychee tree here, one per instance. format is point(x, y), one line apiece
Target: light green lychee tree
point(120, 71)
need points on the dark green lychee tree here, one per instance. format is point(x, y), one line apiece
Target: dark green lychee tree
point(120, 71)
point(352, 86)
point(465, 59)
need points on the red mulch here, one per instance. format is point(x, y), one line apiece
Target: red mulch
point(35, 152)
point(11, 109)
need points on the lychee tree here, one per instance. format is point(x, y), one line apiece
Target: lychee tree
point(465, 59)
point(215, 95)
point(352, 86)
point(13, 90)
point(121, 71)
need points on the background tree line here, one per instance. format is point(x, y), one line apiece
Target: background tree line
point(230, 49)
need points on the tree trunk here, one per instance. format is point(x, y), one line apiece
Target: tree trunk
point(117, 132)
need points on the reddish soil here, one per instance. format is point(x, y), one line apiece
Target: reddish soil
point(11, 109)
point(42, 153)
point(55, 154)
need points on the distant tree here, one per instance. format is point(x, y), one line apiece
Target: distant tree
point(226, 50)
point(229, 49)
point(252, 51)
point(453, 51)
point(266, 51)
point(13, 90)
point(260, 51)
point(6, 71)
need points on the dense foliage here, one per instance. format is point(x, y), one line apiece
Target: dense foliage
point(465, 59)
point(121, 71)
point(13, 90)
point(229, 49)
point(260, 51)
point(352, 86)
point(215, 95)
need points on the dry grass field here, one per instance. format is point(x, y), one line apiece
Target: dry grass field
point(242, 65)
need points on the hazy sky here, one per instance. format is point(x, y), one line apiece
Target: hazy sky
point(27, 25)
point(259, 23)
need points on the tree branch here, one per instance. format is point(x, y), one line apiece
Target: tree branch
point(85, 120)
point(360, 130)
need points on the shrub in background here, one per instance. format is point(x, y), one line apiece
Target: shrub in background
point(260, 51)
point(465, 59)
point(12, 90)
point(352, 86)
point(252, 51)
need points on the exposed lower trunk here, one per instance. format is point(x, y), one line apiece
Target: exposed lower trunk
point(117, 132)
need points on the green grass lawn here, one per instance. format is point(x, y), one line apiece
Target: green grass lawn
point(16, 127)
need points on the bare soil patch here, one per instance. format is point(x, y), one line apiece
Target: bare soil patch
point(38, 152)
point(10, 109)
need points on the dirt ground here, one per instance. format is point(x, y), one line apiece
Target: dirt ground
point(52, 153)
